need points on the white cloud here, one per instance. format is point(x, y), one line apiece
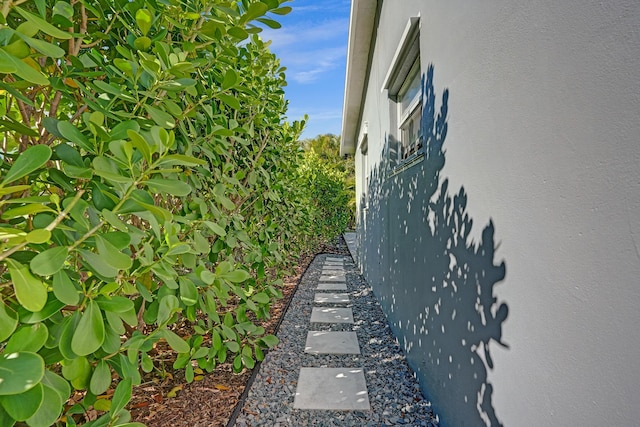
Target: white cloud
point(308, 66)
point(306, 33)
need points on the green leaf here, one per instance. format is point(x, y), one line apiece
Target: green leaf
point(78, 372)
point(114, 220)
point(28, 161)
point(255, 10)
point(115, 304)
point(238, 32)
point(233, 346)
point(170, 186)
point(6, 67)
point(113, 90)
point(98, 264)
point(64, 9)
point(248, 360)
point(52, 307)
point(57, 383)
point(89, 335)
point(168, 305)
point(237, 276)
point(68, 325)
point(44, 47)
point(282, 10)
point(144, 18)
point(30, 209)
point(30, 291)
point(188, 292)
point(270, 340)
point(22, 70)
point(175, 342)
point(28, 338)
point(112, 255)
point(181, 160)
point(230, 100)
point(261, 298)
point(69, 155)
point(50, 409)
point(8, 321)
point(64, 289)
point(24, 405)
point(215, 228)
point(73, 134)
point(270, 23)
point(19, 372)
point(180, 248)
point(43, 25)
point(101, 378)
point(13, 189)
point(10, 124)
point(162, 118)
point(142, 43)
point(121, 397)
point(37, 236)
point(230, 79)
point(50, 261)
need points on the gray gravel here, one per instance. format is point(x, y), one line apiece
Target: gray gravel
point(393, 391)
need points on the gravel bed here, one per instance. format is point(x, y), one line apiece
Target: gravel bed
point(393, 391)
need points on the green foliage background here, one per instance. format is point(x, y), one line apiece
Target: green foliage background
point(332, 182)
point(148, 180)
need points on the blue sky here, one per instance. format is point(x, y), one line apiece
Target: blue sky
point(312, 45)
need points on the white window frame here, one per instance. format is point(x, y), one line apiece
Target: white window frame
point(409, 117)
point(405, 66)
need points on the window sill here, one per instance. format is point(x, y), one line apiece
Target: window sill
point(407, 163)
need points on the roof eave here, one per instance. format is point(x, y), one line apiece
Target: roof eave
point(361, 25)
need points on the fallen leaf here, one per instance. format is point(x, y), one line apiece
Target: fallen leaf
point(198, 378)
point(222, 387)
point(139, 405)
point(174, 391)
point(157, 397)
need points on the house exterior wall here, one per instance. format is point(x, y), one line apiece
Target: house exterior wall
point(507, 258)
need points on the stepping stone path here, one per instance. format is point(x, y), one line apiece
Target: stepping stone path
point(322, 388)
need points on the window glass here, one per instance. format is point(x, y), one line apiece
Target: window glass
point(410, 89)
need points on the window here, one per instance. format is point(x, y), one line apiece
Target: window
point(364, 164)
point(404, 85)
point(410, 111)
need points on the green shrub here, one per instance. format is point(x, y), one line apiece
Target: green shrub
point(147, 180)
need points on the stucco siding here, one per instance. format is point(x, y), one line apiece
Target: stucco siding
point(544, 142)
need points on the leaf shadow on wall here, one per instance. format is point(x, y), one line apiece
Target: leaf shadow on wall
point(415, 234)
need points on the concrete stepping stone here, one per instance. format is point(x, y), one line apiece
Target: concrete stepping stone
point(333, 272)
point(332, 342)
point(333, 258)
point(331, 298)
point(341, 389)
point(331, 315)
point(332, 278)
point(334, 263)
point(332, 286)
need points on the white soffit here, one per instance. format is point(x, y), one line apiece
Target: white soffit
point(363, 13)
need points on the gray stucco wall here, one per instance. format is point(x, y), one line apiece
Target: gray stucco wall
point(533, 317)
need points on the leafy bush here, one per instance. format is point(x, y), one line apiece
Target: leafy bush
point(147, 180)
point(331, 183)
point(327, 196)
